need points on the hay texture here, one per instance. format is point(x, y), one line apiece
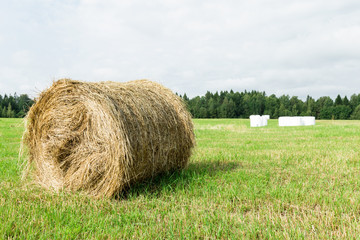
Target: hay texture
point(101, 137)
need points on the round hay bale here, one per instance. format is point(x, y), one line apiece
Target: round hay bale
point(101, 137)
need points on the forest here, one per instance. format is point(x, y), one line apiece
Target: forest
point(230, 104)
point(243, 104)
point(14, 106)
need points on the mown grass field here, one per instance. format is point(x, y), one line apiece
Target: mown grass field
point(268, 183)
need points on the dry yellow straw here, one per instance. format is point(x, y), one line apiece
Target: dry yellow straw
point(101, 137)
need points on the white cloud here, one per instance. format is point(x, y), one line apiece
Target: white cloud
point(21, 58)
point(277, 46)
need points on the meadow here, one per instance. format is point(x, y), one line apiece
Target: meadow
point(241, 183)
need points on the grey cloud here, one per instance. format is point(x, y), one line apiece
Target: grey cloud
point(282, 47)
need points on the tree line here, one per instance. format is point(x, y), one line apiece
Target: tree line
point(230, 104)
point(243, 104)
point(14, 106)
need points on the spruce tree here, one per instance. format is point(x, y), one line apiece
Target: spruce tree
point(3, 112)
point(356, 113)
point(10, 113)
point(338, 101)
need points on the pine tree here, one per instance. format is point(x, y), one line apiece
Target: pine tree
point(231, 113)
point(3, 112)
point(354, 101)
point(282, 110)
point(294, 111)
point(356, 113)
point(224, 108)
point(338, 101)
point(309, 106)
point(212, 108)
point(10, 113)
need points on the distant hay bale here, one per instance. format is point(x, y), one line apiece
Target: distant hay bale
point(296, 121)
point(101, 137)
point(259, 121)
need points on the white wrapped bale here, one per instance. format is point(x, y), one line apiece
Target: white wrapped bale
point(284, 121)
point(289, 121)
point(296, 121)
point(255, 121)
point(264, 120)
point(258, 121)
point(308, 121)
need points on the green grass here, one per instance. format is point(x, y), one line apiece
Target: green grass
point(269, 183)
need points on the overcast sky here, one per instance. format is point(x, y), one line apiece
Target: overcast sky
point(305, 47)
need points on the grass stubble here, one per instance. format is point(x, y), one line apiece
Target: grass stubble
point(241, 182)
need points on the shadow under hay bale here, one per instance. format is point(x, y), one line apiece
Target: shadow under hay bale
point(101, 137)
point(178, 180)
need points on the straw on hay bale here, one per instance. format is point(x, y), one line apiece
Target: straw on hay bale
point(101, 137)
